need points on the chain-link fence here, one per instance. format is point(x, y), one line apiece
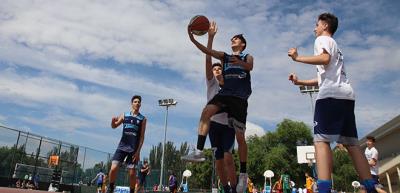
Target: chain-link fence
point(23, 155)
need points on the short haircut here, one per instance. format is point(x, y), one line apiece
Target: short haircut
point(371, 138)
point(216, 64)
point(240, 36)
point(136, 97)
point(331, 20)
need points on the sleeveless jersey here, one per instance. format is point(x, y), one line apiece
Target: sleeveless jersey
point(285, 181)
point(236, 79)
point(131, 132)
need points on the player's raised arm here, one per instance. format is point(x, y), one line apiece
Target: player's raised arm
point(216, 54)
point(211, 33)
point(117, 121)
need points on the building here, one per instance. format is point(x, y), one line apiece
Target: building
point(388, 145)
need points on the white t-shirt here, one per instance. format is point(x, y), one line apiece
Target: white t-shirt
point(372, 154)
point(213, 89)
point(332, 80)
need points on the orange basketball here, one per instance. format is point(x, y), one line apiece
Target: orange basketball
point(199, 25)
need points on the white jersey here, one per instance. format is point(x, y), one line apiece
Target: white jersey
point(332, 80)
point(372, 154)
point(213, 89)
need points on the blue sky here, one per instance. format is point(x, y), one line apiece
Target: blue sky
point(67, 67)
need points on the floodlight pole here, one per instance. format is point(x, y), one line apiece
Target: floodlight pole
point(310, 90)
point(166, 103)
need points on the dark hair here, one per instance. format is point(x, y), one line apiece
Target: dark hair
point(136, 97)
point(372, 138)
point(331, 20)
point(217, 64)
point(240, 36)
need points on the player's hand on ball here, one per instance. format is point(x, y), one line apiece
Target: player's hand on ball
point(190, 32)
point(293, 53)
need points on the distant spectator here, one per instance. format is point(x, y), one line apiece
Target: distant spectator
point(29, 185)
point(18, 183)
point(99, 180)
point(23, 185)
point(36, 179)
point(371, 153)
point(172, 183)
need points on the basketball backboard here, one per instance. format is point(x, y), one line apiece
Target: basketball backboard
point(305, 154)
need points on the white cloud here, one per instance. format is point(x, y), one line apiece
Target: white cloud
point(2, 119)
point(45, 90)
point(63, 46)
point(253, 129)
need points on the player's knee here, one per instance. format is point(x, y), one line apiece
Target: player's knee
point(240, 138)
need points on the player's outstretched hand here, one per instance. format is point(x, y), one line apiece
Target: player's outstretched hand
point(213, 29)
point(293, 53)
point(293, 78)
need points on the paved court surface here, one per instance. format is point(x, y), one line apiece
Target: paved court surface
point(15, 190)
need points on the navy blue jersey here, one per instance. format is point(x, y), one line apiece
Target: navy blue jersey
point(236, 79)
point(131, 132)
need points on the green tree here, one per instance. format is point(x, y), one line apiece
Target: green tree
point(343, 170)
point(201, 172)
point(276, 151)
point(172, 159)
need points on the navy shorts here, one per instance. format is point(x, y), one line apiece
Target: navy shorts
point(222, 138)
point(235, 107)
point(334, 120)
point(142, 181)
point(119, 157)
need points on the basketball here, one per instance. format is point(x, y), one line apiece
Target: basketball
point(199, 25)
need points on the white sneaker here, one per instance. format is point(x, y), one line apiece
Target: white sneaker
point(242, 183)
point(195, 156)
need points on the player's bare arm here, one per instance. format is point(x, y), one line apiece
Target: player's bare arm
point(211, 33)
point(312, 82)
point(136, 156)
point(322, 59)
point(216, 54)
point(117, 121)
point(247, 65)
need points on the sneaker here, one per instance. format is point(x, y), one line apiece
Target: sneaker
point(242, 183)
point(195, 156)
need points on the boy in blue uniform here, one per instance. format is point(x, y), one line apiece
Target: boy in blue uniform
point(134, 127)
point(334, 118)
point(231, 98)
point(99, 180)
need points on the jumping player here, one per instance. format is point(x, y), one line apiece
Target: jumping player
point(231, 98)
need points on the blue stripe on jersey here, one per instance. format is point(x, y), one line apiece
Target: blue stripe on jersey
point(131, 132)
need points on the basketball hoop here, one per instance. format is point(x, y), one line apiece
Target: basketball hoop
point(310, 156)
point(309, 162)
